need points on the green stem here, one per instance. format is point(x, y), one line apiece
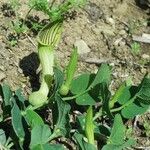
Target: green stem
point(75, 96)
point(89, 126)
point(116, 96)
point(123, 106)
point(46, 56)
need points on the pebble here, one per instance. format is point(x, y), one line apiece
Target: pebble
point(110, 21)
point(122, 32)
point(145, 56)
point(82, 47)
point(2, 76)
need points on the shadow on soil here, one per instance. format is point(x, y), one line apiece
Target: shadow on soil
point(142, 4)
point(29, 65)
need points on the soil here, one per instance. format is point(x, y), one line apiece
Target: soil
point(106, 26)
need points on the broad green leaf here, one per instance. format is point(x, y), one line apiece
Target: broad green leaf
point(82, 145)
point(80, 84)
point(48, 147)
point(118, 131)
point(59, 78)
point(123, 146)
point(103, 75)
point(21, 98)
point(105, 96)
point(40, 135)
point(62, 126)
point(144, 92)
point(33, 119)
point(7, 94)
point(17, 121)
point(89, 126)
point(85, 99)
point(124, 96)
point(133, 109)
point(2, 137)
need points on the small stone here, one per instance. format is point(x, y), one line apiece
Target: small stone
point(110, 21)
point(145, 56)
point(2, 68)
point(20, 70)
point(122, 32)
point(122, 43)
point(82, 47)
point(2, 76)
point(116, 43)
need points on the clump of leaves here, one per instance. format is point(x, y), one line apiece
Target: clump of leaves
point(32, 130)
point(53, 10)
point(23, 124)
point(135, 48)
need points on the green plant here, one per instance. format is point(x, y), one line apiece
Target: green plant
point(54, 10)
point(135, 48)
point(70, 71)
point(23, 123)
point(48, 38)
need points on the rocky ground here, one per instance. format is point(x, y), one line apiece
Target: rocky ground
point(104, 31)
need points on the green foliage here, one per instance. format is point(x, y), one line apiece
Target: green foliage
point(17, 123)
point(33, 119)
point(86, 91)
point(117, 139)
point(62, 126)
point(70, 71)
point(87, 109)
point(40, 135)
point(89, 125)
point(80, 84)
point(82, 144)
point(55, 11)
point(135, 48)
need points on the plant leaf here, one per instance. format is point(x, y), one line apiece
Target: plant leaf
point(48, 147)
point(17, 121)
point(2, 137)
point(89, 126)
point(144, 92)
point(133, 109)
point(121, 96)
point(59, 78)
point(33, 119)
point(105, 96)
point(80, 84)
point(71, 68)
point(40, 135)
point(126, 144)
point(103, 75)
point(21, 98)
point(62, 126)
point(85, 99)
point(82, 145)
point(7, 93)
point(118, 131)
